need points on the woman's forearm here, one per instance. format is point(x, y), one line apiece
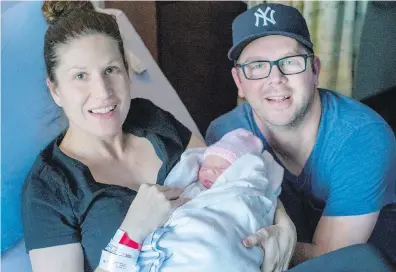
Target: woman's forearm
point(149, 210)
point(133, 230)
point(113, 254)
point(112, 259)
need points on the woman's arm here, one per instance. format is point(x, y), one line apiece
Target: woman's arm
point(195, 142)
point(278, 241)
point(50, 232)
point(65, 258)
point(149, 210)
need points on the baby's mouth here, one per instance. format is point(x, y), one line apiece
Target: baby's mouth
point(207, 183)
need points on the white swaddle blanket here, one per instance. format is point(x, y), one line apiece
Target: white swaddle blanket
point(206, 233)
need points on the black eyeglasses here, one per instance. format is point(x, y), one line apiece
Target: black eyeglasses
point(289, 65)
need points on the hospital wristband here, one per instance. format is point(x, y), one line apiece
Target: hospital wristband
point(121, 237)
point(123, 251)
point(114, 263)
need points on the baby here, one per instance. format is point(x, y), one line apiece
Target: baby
point(234, 189)
point(220, 156)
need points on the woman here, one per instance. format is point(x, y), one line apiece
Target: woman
point(105, 172)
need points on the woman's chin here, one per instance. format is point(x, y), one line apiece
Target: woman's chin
point(106, 132)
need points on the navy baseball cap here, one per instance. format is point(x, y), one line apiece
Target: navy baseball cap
point(268, 19)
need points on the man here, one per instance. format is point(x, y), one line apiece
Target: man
point(339, 156)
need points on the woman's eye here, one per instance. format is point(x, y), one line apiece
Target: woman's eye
point(111, 70)
point(80, 76)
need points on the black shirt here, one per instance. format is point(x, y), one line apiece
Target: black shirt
point(62, 203)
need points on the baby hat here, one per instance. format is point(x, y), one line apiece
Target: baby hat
point(234, 145)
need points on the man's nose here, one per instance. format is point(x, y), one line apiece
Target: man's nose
point(276, 76)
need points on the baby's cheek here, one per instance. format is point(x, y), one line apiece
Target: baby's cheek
point(201, 175)
point(205, 179)
point(214, 177)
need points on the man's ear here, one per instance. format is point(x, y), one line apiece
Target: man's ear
point(54, 92)
point(316, 70)
point(237, 80)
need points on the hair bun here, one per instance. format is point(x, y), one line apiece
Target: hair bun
point(53, 10)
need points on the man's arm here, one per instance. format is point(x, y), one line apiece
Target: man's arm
point(334, 232)
point(361, 181)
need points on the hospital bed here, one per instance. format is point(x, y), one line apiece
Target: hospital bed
point(28, 110)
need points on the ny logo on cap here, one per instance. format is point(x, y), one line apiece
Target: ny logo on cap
point(264, 15)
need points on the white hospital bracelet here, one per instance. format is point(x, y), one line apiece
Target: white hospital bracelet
point(115, 263)
point(123, 251)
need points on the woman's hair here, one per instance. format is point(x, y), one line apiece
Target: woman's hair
point(69, 20)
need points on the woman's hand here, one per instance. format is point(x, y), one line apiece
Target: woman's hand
point(150, 209)
point(278, 242)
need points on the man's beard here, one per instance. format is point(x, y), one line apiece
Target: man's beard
point(301, 114)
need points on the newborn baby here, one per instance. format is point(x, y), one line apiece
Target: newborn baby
point(234, 189)
point(221, 155)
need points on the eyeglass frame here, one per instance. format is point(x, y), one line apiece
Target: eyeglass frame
point(275, 62)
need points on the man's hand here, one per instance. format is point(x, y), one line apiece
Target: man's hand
point(278, 242)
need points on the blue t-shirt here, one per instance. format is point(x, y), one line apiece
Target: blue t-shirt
point(352, 167)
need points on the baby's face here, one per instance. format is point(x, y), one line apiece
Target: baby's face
point(212, 167)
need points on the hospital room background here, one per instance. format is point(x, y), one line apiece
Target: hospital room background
point(178, 51)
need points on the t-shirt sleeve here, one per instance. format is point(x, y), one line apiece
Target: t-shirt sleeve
point(47, 215)
point(171, 128)
point(211, 135)
point(362, 179)
point(217, 129)
point(240, 117)
point(148, 116)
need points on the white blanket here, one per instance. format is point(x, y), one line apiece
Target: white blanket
point(206, 233)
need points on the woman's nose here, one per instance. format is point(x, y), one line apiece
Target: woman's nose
point(102, 90)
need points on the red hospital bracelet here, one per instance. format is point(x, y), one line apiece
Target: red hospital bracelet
point(125, 240)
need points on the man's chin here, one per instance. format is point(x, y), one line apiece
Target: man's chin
point(285, 122)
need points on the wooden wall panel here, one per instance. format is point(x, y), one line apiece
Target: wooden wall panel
point(193, 40)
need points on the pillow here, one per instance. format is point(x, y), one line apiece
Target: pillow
point(27, 108)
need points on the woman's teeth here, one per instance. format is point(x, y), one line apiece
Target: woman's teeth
point(104, 110)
